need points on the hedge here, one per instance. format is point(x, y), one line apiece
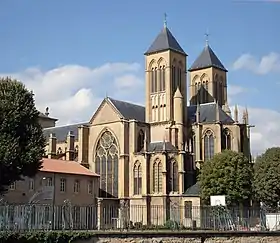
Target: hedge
point(43, 237)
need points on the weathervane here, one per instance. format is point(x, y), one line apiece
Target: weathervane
point(165, 20)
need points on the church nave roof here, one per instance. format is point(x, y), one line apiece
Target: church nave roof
point(208, 114)
point(128, 110)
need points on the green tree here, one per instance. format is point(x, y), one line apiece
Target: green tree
point(228, 173)
point(21, 137)
point(266, 181)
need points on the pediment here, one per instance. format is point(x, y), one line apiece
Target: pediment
point(105, 113)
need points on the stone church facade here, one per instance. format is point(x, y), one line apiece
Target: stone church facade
point(148, 156)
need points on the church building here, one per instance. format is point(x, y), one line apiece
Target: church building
point(149, 155)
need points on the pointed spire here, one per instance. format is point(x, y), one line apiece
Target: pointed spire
point(165, 41)
point(178, 93)
point(247, 115)
point(227, 109)
point(236, 114)
point(217, 111)
point(206, 59)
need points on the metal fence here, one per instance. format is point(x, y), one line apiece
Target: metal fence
point(135, 217)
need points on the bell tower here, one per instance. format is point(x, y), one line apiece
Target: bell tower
point(208, 79)
point(165, 68)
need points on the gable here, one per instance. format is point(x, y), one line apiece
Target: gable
point(105, 113)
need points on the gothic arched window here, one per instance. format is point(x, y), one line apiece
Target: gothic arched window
point(173, 71)
point(208, 145)
point(137, 177)
point(174, 177)
point(106, 163)
point(226, 139)
point(59, 151)
point(140, 140)
point(206, 92)
point(160, 78)
point(156, 79)
point(157, 176)
point(163, 78)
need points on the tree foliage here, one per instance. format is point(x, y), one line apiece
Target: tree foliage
point(21, 137)
point(228, 173)
point(267, 177)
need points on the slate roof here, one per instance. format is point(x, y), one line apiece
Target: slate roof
point(129, 110)
point(159, 147)
point(61, 132)
point(42, 115)
point(208, 114)
point(207, 58)
point(165, 41)
point(194, 190)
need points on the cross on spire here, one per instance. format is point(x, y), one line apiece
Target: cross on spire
point(207, 38)
point(165, 20)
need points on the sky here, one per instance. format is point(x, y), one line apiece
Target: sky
point(72, 54)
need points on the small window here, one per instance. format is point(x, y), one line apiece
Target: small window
point(90, 187)
point(188, 209)
point(49, 181)
point(13, 186)
point(31, 184)
point(77, 186)
point(63, 185)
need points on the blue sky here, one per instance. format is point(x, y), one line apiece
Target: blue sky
point(48, 35)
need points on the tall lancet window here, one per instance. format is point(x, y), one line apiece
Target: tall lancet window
point(137, 175)
point(174, 177)
point(217, 90)
point(221, 91)
point(157, 176)
point(156, 79)
point(163, 78)
point(208, 145)
point(140, 140)
point(226, 139)
point(106, 163)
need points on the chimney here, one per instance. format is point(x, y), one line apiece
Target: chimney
point(70, 150)
point(52, 146)
point(47, 111)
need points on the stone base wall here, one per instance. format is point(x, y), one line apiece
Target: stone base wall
point(251, 239)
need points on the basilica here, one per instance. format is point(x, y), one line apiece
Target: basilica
point(150, 155)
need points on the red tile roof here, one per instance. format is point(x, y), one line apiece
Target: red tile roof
point(66, 167)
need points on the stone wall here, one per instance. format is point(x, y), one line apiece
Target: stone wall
point(184, 237)
point(185, 240)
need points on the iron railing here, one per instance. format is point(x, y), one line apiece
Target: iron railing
point(134, 217)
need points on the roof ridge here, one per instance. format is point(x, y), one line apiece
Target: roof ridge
point(131, 103)
point(73, 124)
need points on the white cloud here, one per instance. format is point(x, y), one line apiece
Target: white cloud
point(73, 92)
point(266, 64)
point(266, 132)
